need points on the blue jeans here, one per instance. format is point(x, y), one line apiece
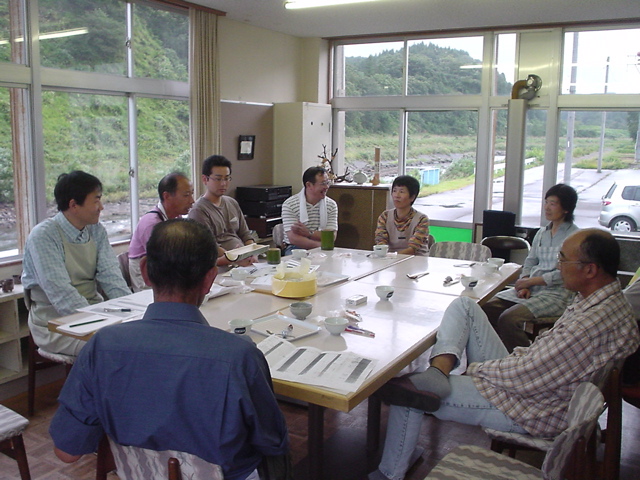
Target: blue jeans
point(464, 327)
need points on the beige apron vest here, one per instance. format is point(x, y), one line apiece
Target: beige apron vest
point(81, 261)
point(400, 240)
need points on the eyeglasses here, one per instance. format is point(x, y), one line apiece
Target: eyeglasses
point(326, 183)
point(562, 260)
point(219, 179)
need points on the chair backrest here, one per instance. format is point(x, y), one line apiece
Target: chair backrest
point(134, 463)
point(585, 407)
point(512, 249)
point(278, 235)
point(123, 261)
point(461, 250)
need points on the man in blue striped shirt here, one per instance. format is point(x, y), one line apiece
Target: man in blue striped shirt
point(66, 258)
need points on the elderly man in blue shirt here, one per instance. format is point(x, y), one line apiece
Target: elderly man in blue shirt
point(170, 381)
point(66, 258)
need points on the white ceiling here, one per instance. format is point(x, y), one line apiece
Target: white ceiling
point(393, 16)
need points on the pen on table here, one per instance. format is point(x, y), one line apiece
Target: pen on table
point(117, 309)
point(360, 331)
point(87, 323)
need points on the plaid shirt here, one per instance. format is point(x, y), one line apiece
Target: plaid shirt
point(534, 384)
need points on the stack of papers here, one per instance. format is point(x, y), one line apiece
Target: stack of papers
point(343, 372)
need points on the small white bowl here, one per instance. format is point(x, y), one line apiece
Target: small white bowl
point(497, 261)
point(239, 274)
point(385, 292)
point(301, 310)
point(335, 325)
point(468, 282)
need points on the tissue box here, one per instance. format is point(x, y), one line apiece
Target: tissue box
point(294, 285)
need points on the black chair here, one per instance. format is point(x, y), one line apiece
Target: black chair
point(502, 246)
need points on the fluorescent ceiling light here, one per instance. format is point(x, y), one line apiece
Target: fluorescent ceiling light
point(59, 34)
point(295, 4)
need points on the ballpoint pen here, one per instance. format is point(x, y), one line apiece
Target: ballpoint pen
point(359, 331)
point(117, 309)
point(87, 323)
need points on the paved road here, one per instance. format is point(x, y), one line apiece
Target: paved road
point(591, 186)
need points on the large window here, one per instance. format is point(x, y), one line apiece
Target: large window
point(100, 105)
point(602, 61)
point(448, 127)
point(12, 45)
point(86, 35)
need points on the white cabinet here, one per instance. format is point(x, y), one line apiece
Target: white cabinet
point(14, 335)
point(300, 129)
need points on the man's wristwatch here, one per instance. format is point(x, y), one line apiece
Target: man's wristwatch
point(311, 232)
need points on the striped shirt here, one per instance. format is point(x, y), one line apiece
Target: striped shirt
point(291, 214)
point(534, 385)
point(44, 263)
point(418, 238)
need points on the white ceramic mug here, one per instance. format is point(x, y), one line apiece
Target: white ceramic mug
point(380, 250)
point(498, 262)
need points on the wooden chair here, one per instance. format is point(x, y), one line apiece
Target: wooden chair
point(473, 252)
point(123, 261)
point(39, 359)
point(567, 452)
point(607, 380)
point(534, 327)
point(11, 444)
point(135, 463)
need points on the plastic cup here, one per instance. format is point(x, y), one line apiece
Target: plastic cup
point(326, 239)
point(273, 256)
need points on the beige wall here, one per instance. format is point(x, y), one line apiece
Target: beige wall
point(258, 65)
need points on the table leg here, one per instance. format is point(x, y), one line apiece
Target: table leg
point(373, 430)
point(316, 441)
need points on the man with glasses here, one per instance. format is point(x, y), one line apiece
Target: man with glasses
point(310, 211)
point(527, 391)
point(220, 213)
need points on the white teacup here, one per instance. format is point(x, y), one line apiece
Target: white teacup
point(384, 292)
point(380, 250)
point(299, 253)
point(239, 274)
point(240, 326)
point(498, 262)
point(489, 268)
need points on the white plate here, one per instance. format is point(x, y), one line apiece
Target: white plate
point(277, 323)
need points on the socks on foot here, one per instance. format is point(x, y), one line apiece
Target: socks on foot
point(432, 380)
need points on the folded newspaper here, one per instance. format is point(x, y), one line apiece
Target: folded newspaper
point(343, 372)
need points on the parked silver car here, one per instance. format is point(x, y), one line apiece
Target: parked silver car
point(620, 210)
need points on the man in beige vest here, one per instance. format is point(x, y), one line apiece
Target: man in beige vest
point(65, 259)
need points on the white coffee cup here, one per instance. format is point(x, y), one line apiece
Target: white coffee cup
point(380, 250)
point(240, 326)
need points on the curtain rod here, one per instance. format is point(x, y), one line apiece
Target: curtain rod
point(187, 5)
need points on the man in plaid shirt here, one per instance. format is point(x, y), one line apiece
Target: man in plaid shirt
point(527, 391)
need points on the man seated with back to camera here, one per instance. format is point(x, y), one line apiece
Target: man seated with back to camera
point(527, 391)
point(170, 381)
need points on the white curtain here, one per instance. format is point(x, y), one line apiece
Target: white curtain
point(204, 95)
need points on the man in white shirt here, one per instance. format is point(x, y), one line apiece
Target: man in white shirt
point(308, 212)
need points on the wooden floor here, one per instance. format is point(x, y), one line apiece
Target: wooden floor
point(344, 446)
